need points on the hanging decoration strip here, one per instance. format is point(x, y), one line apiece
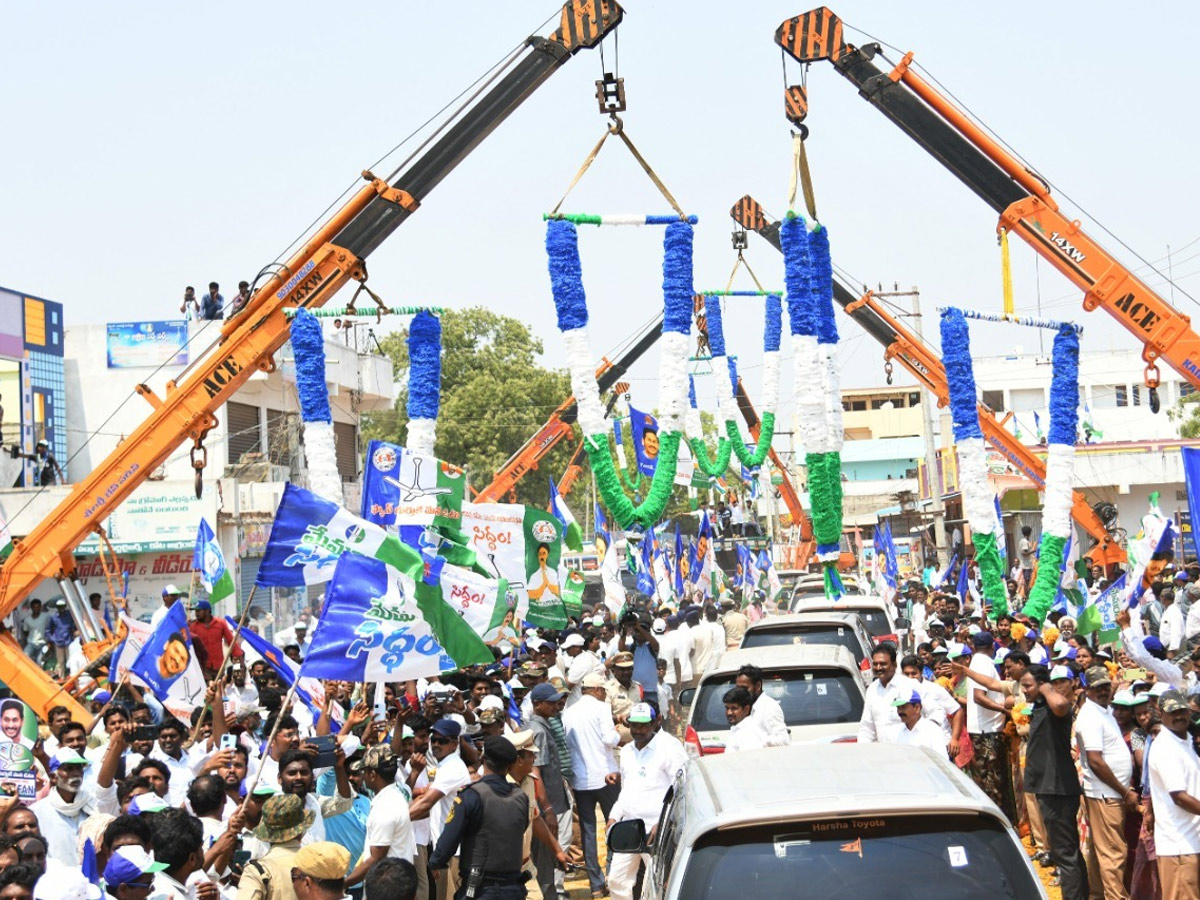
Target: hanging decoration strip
point(771, 336)
point(320, 453)
point(424, 382)
point(978, 498)
point(808, 273)
point(712, 467)
point(1060, 472)
point(626, 219)
point(570, 302)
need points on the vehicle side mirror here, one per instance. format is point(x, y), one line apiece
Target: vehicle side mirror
point(628, 837)
point(903, 624)
point(686, 696)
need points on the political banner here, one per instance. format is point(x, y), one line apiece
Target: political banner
point(573, 587)
point(132, 634)
point(410, 492)
point(610, 576)
point(372, 628)
point(1191, 474)
point(522, 545)
point(644, 428)
point(18, 734)
point(168, 665)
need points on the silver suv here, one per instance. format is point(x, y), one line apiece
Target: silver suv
point(829, 822)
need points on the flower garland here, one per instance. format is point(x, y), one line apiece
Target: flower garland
point(1060, 472)
point(320, 452)
point(714, 467)
point(808, 274)
point(570, 303)
point(978, 498)
point(424, 381)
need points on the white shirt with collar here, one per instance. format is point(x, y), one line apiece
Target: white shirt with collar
point(1170, 628)
point(880, 720)
point(1174, 766)
point(768, 716)
point(181, 771)
point(981, 720)
point(747, 734)
point(1096, 729)
point(646, 776)
point(924, 734)
point(583, 664)
point(938, 706)
point(591, 738)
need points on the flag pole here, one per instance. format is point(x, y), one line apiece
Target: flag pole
point(228, 654)
point(286, 705)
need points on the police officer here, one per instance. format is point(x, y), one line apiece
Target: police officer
point(488, 819)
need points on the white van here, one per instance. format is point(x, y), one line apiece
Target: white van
point(874, 612)
point(843, 629)
point(829, 822)
point(818, 687)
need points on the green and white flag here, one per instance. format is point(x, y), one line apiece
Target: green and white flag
point(573, 536)
point(524, 546)
point(209, 562)
point(573, 594)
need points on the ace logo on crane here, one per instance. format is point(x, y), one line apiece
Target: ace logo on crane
point(222, 375)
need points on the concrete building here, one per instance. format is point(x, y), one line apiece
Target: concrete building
point(251, 453)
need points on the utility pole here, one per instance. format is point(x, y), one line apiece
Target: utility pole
point(927, 407)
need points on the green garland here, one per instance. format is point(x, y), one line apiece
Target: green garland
point(608, 482)
point(1045, 586)
point(632, 482)
point(761, 449)
point(825, 496)
point(991, 570)
point(713, 468)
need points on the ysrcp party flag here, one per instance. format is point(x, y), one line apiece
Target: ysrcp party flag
point(133, 635)
point(209, 561)
point(610, 576)
point(573, 534)
point(410, 492)
point(573, 594)
point(309, 691)
point(680, 565)
point(768, 578)
point(645, 440)
point(168, 666)
point(474, 597)
point(373, 628)
point(311, 533)
point(522, 545)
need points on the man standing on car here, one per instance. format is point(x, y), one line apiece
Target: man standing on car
point(648, 769)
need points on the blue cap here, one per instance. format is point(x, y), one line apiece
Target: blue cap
point(447, 728)
point(1154, 647)
point(146, 803)
point(914, 697)
point(202, 604)
point(102, 696)
point(545, 691)
point(129, 863)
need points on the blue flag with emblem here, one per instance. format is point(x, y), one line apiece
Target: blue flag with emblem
point(168, 666)
point(680, 564)
point(1191, 474)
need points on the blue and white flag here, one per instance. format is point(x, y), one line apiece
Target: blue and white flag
point(209, 562)
point(645, 440)
point(680, 564)
point(168, 665)
point(309, 691)
point(1191, 474)
point(1163, 549)
point(572, 533)
point(610, 576)
point(372, 628)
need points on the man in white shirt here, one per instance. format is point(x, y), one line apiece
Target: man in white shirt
point(675, 648)
point(447, 774)
point(170, 594)
point(702, 641)
point(915, 730)
point(1175, 794)
point(766, 712)
point(1170, 626)
point(389, 828)
point(648, 768)
point(880, 722)
point(581, 662)
point(62, 811)
point(991, 768)
point(591, 737)
point(1107, 767)
point(169, 751)
point(744, 732)
point(937, 704)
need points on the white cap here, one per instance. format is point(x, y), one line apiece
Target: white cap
point(491, 701)
point(659, 626)
point(573, 640)
point(1059, 672)
point(63, 883)
point(1159, 688)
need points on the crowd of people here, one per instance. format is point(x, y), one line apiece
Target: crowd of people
point(211, 306)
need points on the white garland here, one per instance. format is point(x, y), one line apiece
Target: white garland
point(1060, 498)
point(831, 388)
point(770, 380)
point(977, 496)
point(691, 423)
point(583, 382)
point(420, 436)
point(725, 405)
point(672, 381)
point(810, 402)
point(320, 455)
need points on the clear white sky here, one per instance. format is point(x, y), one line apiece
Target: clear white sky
point(149, 145)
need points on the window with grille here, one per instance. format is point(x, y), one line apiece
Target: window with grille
point(346, 438)
point(245, 430)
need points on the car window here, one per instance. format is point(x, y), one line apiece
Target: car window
point(814, 697)
point(796, 633)
point(876, 621)
point(944, 857)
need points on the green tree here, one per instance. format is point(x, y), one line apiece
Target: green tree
point(495, 396)
point(1187, 413)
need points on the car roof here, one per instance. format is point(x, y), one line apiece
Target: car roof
point(791, 656)
point(817, 780)
point(858, 601)
point(811, 617)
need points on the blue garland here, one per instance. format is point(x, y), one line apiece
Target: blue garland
point(566, 275)
point(733, 375)
point(822, 285)
point(774, 326)
point(424, 366)
point(1064, 387)
point(677, 278)
point(715, 325)
point(797, 275)
point(308, 346)
point(960, 375)
point(692, 390)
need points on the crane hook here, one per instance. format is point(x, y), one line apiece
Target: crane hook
point(198, 463)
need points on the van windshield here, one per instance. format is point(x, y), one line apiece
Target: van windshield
point(943, 857)
point(875, 619)
point(813, 697)
point(795, 633)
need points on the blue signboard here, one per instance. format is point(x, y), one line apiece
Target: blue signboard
point(137, 344)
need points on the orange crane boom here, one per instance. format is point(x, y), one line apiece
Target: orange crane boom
point(1006, 183)
point(334, 255)
point(910, 351)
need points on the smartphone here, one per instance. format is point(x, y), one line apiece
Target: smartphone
point(228, 741)
point(144, 733)
point(326, 745)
